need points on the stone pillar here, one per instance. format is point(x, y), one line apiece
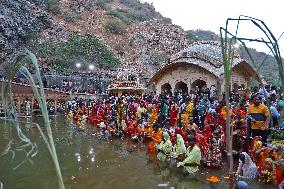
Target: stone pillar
point(173, 87)
point(19, 104)
point(119, 93)
point(188, 83)
point(158, 89)
point(32, 103)
point(55, 105)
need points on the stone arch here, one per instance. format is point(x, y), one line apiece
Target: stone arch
point(235, 86)
point(166, 88)
point(182, 87)
point(198, 85)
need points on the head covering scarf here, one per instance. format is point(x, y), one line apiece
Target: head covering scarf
point(193, 157)
point(179, 146)
point(249, 169)
point(165, 147)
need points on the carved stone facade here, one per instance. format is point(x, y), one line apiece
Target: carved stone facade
point(199, 67)
point(189, 74)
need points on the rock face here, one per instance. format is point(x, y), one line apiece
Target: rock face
point(19, 19)
point(154, 42)
point(156, 35)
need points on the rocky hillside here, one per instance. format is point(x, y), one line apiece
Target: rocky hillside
point(108, 33)
point(111, 34)
point(18, 20)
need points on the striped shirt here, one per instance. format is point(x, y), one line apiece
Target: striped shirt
point(260, 113)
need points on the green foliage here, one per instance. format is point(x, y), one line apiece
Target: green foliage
point(142, 11)
point(126, 16)
point(86, 49)
point(25, 145)
point(115, 26)
point(119, 14)
point(133, 3)
point(158, 58)
point(138, 16)
point(272, 79)
point(72, 17)
point(102, 3)
point(191, 36)
point(277, 134)
point(52, 6)
point(267, 69)
point(167, 20)
point(205, 35)
point(129, 3)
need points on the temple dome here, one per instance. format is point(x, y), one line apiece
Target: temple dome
point(210, 51)
point(204, 54)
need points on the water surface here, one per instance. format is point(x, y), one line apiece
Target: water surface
point(88, 161)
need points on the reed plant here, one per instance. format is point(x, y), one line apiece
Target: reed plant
point(228, 40)
point(22, 62)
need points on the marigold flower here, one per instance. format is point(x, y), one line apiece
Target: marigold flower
point(213, 179)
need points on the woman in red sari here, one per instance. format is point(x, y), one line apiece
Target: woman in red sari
point(173, 114)
point(201, 142)
point(208, 133)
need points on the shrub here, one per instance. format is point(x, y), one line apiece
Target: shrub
point(72, 17)
point(167, 20)
point(52, 6)
point(158, 58)
point(132, 3)
point(126, 2)
point(191, 36)
point(137, 16)
point(86, 49)
point(102, 3)
point(115, 26)
point(120, 14)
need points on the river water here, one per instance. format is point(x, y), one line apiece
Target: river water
point(89, 161)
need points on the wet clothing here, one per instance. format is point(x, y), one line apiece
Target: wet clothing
point(192, 161)
point(179, 147)
point(248, 169)
point(165, 147)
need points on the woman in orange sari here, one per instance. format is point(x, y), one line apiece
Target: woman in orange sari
point(156, 139)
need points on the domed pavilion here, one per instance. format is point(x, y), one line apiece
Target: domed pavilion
point(199, 67)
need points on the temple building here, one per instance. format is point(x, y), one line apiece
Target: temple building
point(200, 67)
point(23, 94)
point(126, 82)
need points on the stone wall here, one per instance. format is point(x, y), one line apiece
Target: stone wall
point(239, 79)
point(187, 74)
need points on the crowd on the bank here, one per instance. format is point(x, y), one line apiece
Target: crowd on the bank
point(190, 129)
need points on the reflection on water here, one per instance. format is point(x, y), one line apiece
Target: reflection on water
point(89, 161)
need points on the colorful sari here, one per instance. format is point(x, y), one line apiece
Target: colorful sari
point(156, 139)
point(213, 156)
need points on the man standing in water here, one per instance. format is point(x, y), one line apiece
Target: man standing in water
point(193, 157)
point(259, 118)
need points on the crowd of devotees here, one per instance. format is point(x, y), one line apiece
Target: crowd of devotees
point(189, 130)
